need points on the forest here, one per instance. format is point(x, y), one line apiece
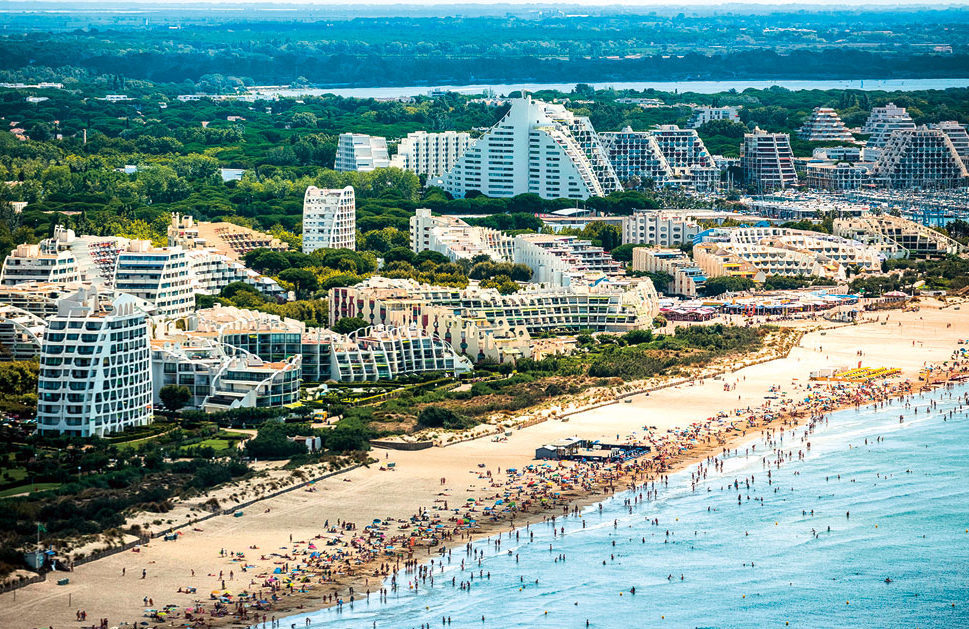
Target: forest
point(603, 45)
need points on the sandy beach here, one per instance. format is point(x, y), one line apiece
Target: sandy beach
point(114, 588)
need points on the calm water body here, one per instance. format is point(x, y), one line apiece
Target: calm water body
point(701, 87)
point(912, 487)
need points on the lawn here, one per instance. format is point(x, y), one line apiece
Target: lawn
point(13, 491)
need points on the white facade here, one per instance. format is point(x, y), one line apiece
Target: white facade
point(895, 236)
point(211, 271)
point(21, 333)
point(536, 148)
point(95, 367)
point(160, 275)
point(656, 227)
point(837, 177)
point(361, 152)
point(329, 219)
point(430, 154)
point(703, 115)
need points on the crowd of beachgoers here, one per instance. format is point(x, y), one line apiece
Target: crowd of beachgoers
point(348, 561)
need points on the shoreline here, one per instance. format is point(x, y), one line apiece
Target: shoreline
point(294, 510)
point(626, 478)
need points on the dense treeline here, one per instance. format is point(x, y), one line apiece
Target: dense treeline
point(467, 50)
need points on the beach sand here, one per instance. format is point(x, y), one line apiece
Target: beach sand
point(362, 494)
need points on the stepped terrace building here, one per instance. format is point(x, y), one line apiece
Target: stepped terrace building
point(361, 152)
point(895, 236)
point(21, 333)
point(880, 125)
point(452, 237)
point(958, 136)
point(606, 307)
point(636, 157)
point(95, 367)
point(63, 258)
point(329, 219)
point(563, 260)
point(430, 154)
point(228, 239)
point(554, 259)
point(378, 352)
point(535, 148)
point(168, 277)
point(824, 125)
point(211, 271)
point(767, 161)
point(779, 251)
point(221, 377)
point(920, 158)
point(682, 148)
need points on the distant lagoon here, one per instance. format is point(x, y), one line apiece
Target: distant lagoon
point(701, 87)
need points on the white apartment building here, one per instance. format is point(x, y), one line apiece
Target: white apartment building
point(636, 157)
point(95, 367)
point(39, 263)
point(361, 152)
point(162, 276)
point(329, 219)
point(888, 112)
point(554, 259)
point(767, 161)
point(836, 177)
point(659, 227)
point(919, 158)
point(535, 148)
point(688, 278)
point(703, 115)
point(825, 125)
point(838, 153)
point(430, 154)
point(454, 238)
point(880, 125)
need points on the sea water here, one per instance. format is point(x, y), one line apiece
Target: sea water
point(714, 562)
